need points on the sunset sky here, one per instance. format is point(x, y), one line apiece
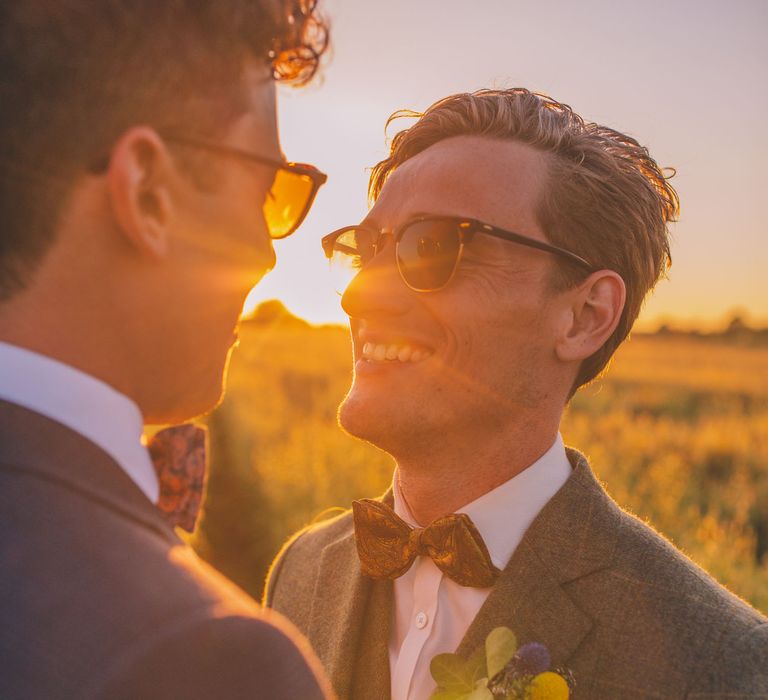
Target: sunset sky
point(687, 78)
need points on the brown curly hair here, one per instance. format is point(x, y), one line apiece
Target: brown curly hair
point(607, 199)
point(295, 55)
point(75, 74)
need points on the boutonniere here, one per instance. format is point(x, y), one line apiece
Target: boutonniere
point(498, 670)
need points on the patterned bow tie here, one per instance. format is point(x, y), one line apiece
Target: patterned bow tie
point(178, 454)
point(387, 545)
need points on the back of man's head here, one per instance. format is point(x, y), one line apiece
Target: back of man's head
point(75, 74)
point(606, 198)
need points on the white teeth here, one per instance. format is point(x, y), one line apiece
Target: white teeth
point(379, 352)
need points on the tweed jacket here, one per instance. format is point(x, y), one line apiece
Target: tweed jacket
point(100, 599)
point(626, 612)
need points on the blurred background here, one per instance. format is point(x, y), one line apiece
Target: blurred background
point(678, 428)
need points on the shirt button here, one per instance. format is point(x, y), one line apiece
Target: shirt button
point(421, 620)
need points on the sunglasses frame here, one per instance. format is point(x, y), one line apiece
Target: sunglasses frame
point(466, 228)
point(304, 169)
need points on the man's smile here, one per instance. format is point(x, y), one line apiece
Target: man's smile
point(394, 352)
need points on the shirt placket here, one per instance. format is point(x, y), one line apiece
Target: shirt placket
point(425, 589)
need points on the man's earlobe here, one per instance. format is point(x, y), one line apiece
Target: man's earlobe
point(595, 312)
point(139, 191)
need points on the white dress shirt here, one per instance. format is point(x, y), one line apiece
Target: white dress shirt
point(432, 612)
point(84, 404)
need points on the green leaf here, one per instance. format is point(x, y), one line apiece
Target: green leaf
point(480, 693)
point(500, 647)
point(475, 665)
point(450, 672)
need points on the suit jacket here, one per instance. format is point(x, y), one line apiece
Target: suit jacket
point(100, 599)
point(613, 601)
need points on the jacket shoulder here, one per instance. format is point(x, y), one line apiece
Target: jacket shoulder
point(645, 558)
point(664, 624)
point(740, 668)
point(291, 577)
point(630, 558)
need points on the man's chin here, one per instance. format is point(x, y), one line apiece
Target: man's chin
point(354, 418)
point(368, 420)
point(189, 408)
point(193, 399)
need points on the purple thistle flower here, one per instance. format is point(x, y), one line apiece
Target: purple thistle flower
point(530, 659)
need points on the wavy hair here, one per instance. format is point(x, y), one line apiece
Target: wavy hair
point(296, 52)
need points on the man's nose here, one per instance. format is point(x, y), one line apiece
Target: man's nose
point(270, 257)
point(262, 261)
point(255, 260)
point(377, 289)
point(263, 257)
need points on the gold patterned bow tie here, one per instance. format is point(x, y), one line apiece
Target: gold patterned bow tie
point(387, 545)
point(178, 454)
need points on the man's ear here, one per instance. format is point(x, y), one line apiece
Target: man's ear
point(594, 313)
point(139, 192)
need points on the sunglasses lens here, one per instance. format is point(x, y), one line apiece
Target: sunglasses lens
point(288, 202)
point(352, 248)
point(427, 253)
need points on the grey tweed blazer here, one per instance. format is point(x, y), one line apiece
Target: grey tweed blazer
point(614, 601)
point(100, 599)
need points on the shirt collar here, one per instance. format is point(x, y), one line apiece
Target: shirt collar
point(82, 403)
point(503, 515)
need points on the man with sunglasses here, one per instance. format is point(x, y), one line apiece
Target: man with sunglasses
point(142, 183)
point(507, 253)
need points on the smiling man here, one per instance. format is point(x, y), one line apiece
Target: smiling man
point(506, 256)
point(141, 185)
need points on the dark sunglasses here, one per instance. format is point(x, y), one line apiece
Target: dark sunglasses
point(290, 197)
point(427, 249)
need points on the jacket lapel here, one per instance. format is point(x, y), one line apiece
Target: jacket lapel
point(338, 609)
point(573, 536)
point(350, 622)
point(531, 602)
point(371, 678)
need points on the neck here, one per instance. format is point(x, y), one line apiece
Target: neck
point(71, 330)
point(445, 480)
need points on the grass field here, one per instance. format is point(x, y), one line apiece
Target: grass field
point(677, 430)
